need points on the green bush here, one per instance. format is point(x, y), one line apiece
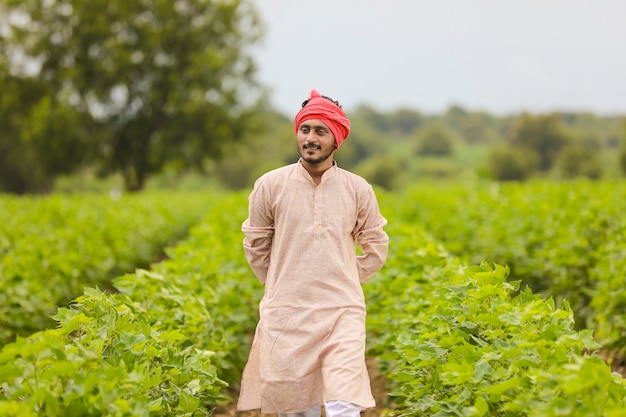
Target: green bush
point(434, 140)
point(578, 161)
point(512, 164)
point(383, 170)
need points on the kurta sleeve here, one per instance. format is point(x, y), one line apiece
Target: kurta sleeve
point(258, 231)
point(370, 236)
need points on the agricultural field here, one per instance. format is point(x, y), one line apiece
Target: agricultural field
point(566, 240)
point(53, 247)
point(489, 305)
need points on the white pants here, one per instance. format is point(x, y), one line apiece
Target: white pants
point(336, 408)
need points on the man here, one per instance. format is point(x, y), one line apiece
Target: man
point(304, 224)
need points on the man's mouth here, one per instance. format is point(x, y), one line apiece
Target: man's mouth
point(311, 146)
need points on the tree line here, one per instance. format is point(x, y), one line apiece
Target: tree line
point(138, 88)
point(396, 148)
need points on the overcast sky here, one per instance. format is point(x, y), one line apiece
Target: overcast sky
point(493, 55)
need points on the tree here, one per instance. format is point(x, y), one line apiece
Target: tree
point(382, 170)
point(379, 121)
point(579, 161)
point(454, 116)
point(540, 134)
point(151, 82)
point(475, 129)
point(246, 160)
point(406, 120)
point(509, 164)
point(434, 140)
point(29, 117)
point(364, 142)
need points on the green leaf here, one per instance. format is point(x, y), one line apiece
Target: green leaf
point(187, 403)
point(502, 387)
point(481, 406)
point(514, 318)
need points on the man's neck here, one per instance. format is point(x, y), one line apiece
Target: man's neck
point(317, 170)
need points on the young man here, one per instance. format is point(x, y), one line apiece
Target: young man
point(304, 224)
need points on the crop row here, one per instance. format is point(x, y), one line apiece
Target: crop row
point(465, 341)
point(566, 240)
point(52, 247)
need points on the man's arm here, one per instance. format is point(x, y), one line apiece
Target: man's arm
point(371, 237)
point(258, 231)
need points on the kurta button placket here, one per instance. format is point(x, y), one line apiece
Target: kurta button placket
point(316, 219)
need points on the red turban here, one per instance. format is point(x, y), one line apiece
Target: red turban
point(328, 112)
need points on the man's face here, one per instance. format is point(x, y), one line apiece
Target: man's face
point(316, 143)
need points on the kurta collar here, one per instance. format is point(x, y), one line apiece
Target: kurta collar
point(329, 173)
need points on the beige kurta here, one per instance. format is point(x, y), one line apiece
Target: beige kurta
point(300, 241)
